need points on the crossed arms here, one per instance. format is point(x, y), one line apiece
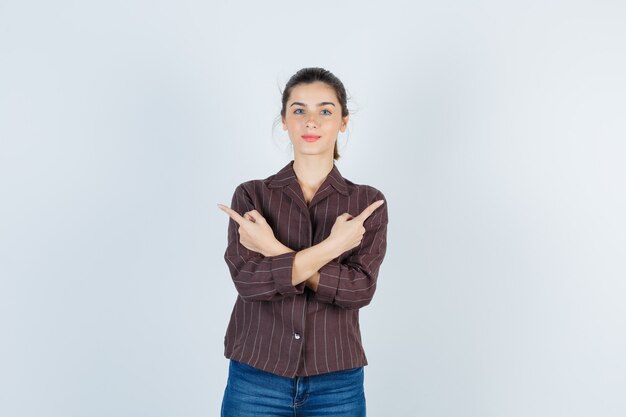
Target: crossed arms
point(273, 271)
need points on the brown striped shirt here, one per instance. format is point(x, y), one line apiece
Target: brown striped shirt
point(292, 330)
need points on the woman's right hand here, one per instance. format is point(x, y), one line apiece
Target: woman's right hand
point(347, 232)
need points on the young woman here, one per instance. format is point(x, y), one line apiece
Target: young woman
point(304, 249)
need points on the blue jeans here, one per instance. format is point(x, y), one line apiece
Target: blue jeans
point(253, 392)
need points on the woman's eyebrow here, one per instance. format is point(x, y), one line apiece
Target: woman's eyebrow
point(318, 104)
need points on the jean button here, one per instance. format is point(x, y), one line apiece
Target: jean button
point(296, 335)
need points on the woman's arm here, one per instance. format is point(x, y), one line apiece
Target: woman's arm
point(351, 283)
point(257, 276)
point(307, 262)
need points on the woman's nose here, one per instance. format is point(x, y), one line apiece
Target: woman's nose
point(311, 122)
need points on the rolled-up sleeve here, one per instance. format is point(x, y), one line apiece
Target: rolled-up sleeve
point(257, 277)
point(351, 284)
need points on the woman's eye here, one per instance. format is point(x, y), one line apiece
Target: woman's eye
point(328, 112)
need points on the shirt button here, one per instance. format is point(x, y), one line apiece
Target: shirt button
point(296, 335)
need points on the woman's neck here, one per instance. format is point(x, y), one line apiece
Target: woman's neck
point(312, 171)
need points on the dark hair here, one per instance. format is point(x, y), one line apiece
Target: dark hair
point(311, 75)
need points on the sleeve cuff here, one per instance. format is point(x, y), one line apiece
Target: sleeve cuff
point(282, 269)
point(328, 283)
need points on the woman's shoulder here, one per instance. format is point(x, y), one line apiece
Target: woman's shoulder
point(262, 185)
point(256, 186)
point(249, 187)
point(371, 192)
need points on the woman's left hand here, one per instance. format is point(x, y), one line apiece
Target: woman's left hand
point(254, 231)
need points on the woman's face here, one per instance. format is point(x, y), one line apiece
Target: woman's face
point(313, 109)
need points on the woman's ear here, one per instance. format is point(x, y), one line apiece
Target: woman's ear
point(344, 123)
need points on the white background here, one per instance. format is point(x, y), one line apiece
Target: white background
point(495, 129)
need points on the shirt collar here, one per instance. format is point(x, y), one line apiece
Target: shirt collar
point(287, 176)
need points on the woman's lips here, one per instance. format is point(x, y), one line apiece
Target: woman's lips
point(310, 138)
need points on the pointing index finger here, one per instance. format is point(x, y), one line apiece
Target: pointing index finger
point(232, 213)
point(369, 210)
